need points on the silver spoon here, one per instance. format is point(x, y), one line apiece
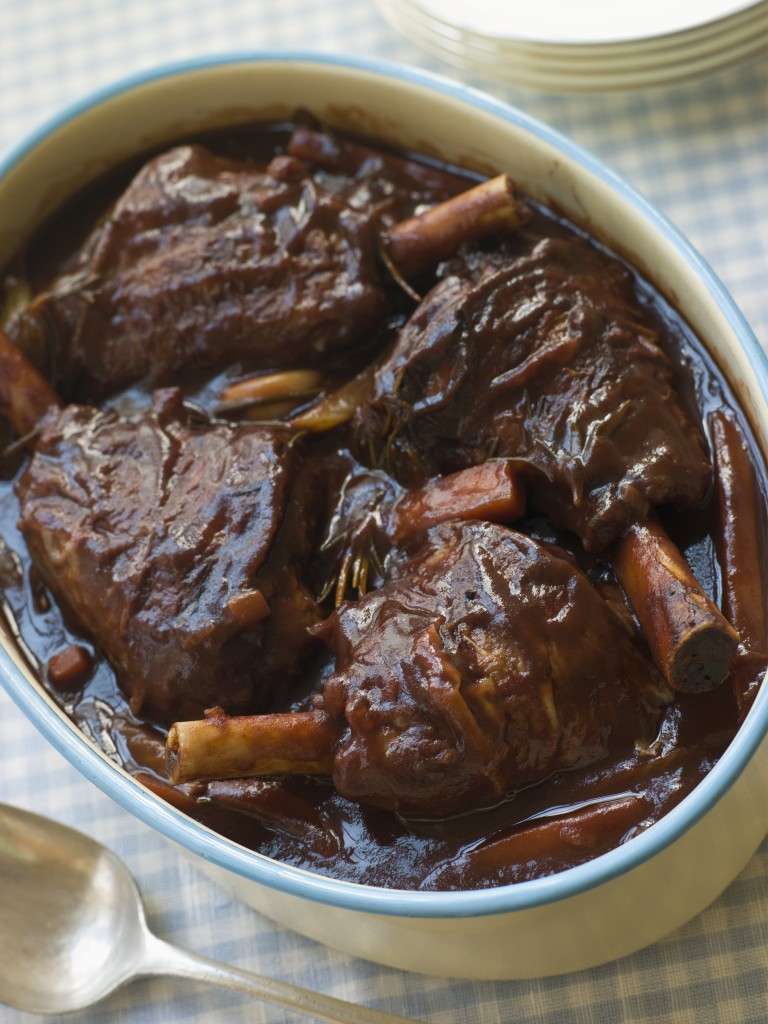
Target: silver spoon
point(72, 930)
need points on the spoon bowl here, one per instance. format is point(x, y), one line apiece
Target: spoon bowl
point(72, 926)
point(73, 930)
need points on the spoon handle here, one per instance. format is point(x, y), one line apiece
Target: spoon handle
point(164, 959)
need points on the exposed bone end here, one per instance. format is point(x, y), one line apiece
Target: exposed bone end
point(223, 747)
point(703, 658)
point(689, 638)
point(421, 242)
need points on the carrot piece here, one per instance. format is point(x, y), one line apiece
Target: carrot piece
point(491, 491)
point(744, 589)
point(25, 395)
point(552, 837)
point(70, 667)
point(271, 386)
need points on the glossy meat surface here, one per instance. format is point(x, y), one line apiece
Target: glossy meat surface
point(166, 539)
point(205, 260)
point(494, 718)
point(488, 663)
point(541, 352)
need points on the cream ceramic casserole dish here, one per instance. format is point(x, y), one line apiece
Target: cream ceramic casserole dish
point(587, 915)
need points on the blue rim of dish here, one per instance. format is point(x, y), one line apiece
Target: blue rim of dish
point(223, 853)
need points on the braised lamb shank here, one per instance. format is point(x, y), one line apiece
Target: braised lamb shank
point(487, 662)
point(540, 351)
point(204, 261)
point(177, 546)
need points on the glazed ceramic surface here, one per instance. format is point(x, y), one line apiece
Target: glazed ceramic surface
point(582, 917)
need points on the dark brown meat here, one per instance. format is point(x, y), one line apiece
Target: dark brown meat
point(488, 663)
point(543, 354)
point(178, 548)
point(204, 261)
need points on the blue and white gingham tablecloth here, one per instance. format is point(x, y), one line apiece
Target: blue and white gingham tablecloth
point(700, 152)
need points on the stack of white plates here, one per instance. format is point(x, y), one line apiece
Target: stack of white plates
point(585, 45)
